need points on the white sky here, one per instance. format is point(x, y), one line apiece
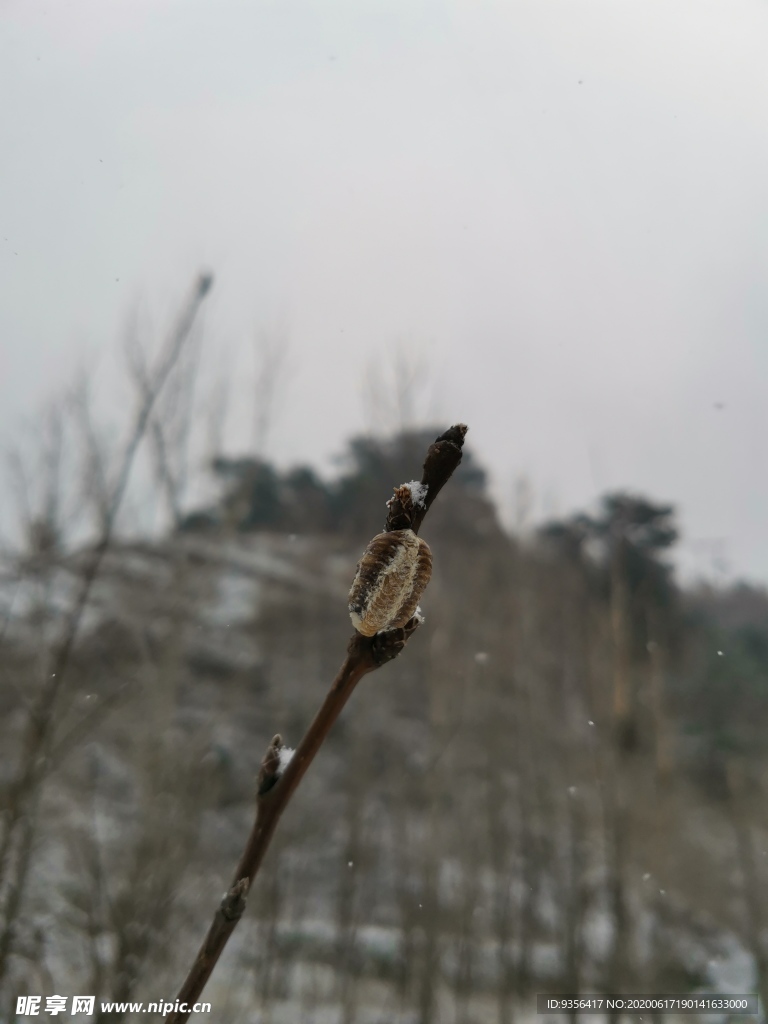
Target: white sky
point(560, 204)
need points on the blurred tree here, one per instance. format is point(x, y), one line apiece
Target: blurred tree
point(255, 495)
point(723, 698)
point(375, 464)
point(620, 552)
point(251, 498)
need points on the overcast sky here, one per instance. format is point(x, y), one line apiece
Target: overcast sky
point(559, 205)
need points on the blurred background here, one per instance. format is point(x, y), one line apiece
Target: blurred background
point(254, 258)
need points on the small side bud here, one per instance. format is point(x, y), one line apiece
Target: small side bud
point(407, 501)
point(233, 904)
point(388, 644)
point(270, 769)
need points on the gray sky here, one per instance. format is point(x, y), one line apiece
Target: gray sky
point(560, 205)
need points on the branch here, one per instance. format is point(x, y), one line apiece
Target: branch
point(443, 456)
point(276, 787)
point(37, 741)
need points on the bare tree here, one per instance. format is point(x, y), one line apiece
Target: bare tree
point(399, 398)
point(272, 349)
point(37, 743)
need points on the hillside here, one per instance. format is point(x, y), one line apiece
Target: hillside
point(485, 822)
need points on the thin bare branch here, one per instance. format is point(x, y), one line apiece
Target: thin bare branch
point(36, 744)
point(364, 655)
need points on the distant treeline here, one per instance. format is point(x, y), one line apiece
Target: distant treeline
point(714, 642)
point(560, 786)
point(255, 495)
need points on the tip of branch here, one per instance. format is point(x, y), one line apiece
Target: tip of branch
point(454, 434)
point(204, 284)
point(443, 457)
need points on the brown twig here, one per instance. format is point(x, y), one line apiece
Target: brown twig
point(275, 789)
point(38, 736)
